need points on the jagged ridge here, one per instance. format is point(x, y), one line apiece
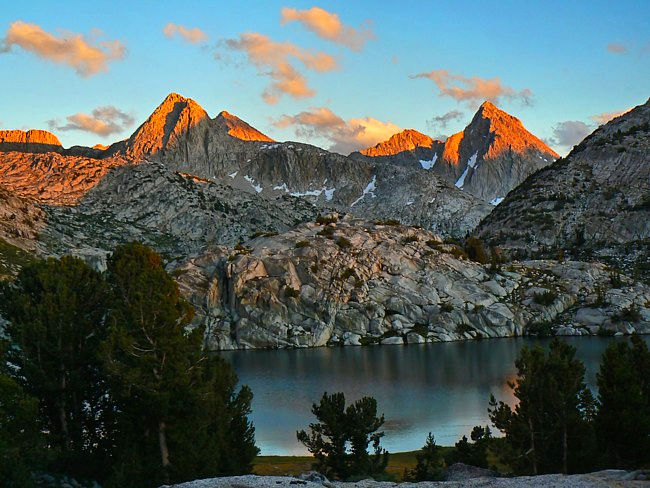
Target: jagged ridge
point(495, 141)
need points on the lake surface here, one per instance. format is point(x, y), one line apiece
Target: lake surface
point(443, 388)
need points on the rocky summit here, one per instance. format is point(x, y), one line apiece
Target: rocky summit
point(594, 204)
point(489, 158)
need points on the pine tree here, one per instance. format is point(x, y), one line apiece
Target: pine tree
point(549, 423)
point(337, 426)
point(623, 417)
point(179, 414)
point(473, 453)
point(21, 443)
point(430, 464)
point(56, 311)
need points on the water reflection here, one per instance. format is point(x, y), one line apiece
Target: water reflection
point(442, 388)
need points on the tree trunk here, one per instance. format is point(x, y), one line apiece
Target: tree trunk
point(61, 410)
point(564, 450)
point(162, 441)
point(532, 445)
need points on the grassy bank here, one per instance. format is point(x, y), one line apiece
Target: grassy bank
point(294, 465)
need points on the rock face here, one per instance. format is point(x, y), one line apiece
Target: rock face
point(489, 158)
point(20, 220)
point(176, 213)
point(52, 178)
point(597, 200)
point(36, 141)
point(354, 282)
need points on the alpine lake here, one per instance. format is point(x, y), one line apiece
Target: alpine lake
point(441, 388)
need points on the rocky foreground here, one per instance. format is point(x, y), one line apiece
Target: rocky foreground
point(600, 479)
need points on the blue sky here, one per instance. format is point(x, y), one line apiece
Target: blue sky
point(346, 75)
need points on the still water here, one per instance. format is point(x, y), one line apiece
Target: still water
point(443, 388)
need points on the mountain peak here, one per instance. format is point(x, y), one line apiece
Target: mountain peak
point(504, 132)
point(237, 128)
point(173, 117)
point(406, 140)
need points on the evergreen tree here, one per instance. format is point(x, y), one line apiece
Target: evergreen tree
point(549, 423)
point(363, 425)
point(473, 453)
point(21, 446)
point(56, 310)
point(623, 417)
point(338, 426)
point(430, 463)
point(179, 414)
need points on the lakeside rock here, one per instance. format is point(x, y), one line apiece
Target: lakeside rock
point(353, 282)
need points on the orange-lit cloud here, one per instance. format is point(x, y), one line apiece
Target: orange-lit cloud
point(616, 48)
point(327, 25)
point(103, 121)
point(273, 59)
point(71, 49)
point(345, 136)
point(193, 35)
point(605, 117)
point(474, 89)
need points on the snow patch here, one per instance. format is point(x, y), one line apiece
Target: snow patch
point(269, 146)
point(369, 189)
point(497, 201)
point(471, 163)
point(410, 202)
point(232, 175)
point(283, 187)
point(329, 192)
point(257, 188)
point(429, 164)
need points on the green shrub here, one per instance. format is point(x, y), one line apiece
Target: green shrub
point(540, 329)
point(409, 239)
point(327, 219)
point(343, 242)
point(301, 244)
point(545, 298)
point(392, 222)
point(290, 292)
point(475, 250)
point(263, 233)
point(446, 307)
point(629, 314)
point(326, 232)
